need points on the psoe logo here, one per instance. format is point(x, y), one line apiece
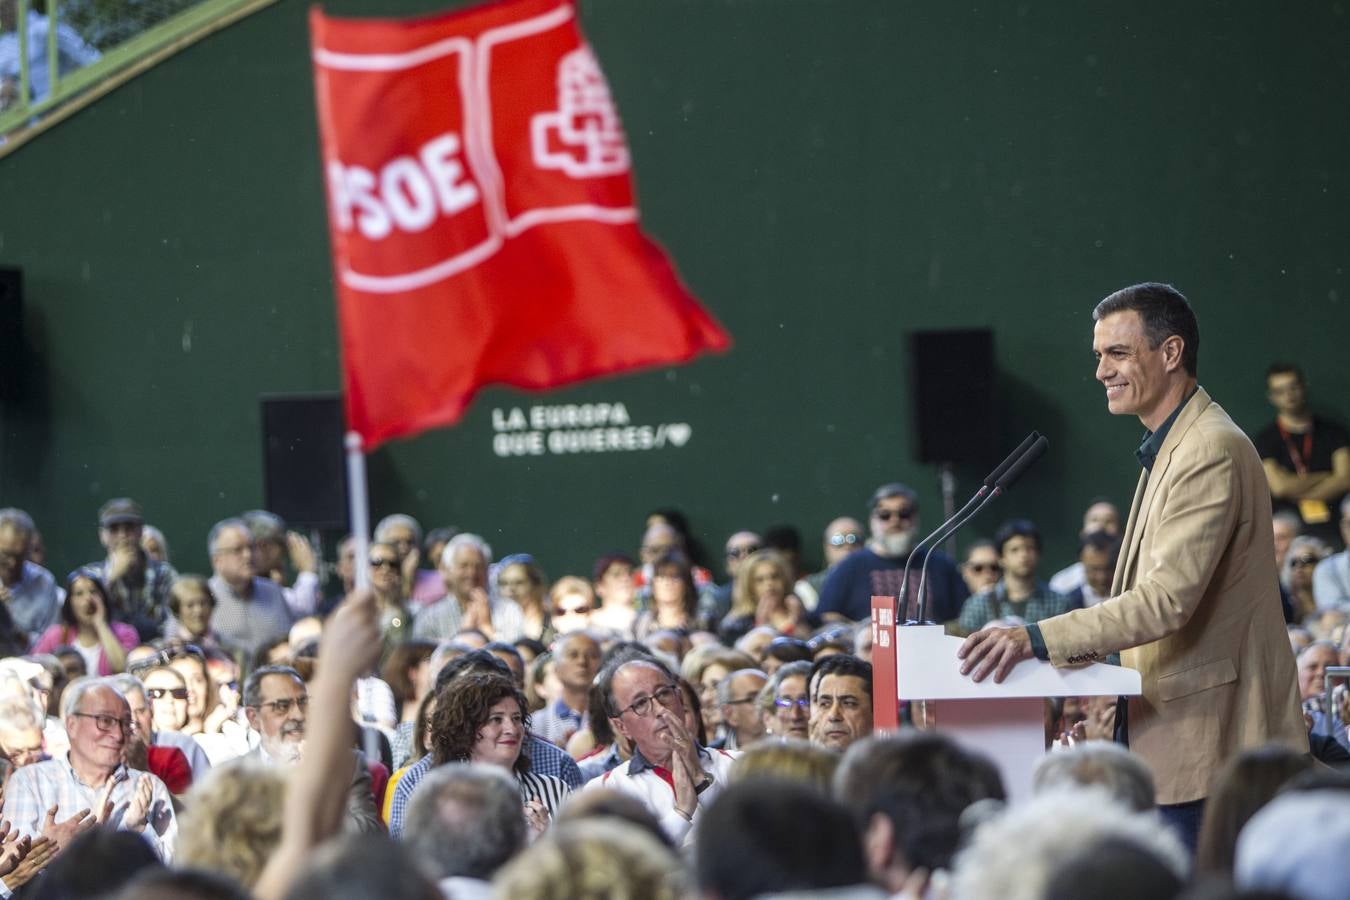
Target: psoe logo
point(583, 137)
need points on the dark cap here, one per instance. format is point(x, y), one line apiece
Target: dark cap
point(123, 509)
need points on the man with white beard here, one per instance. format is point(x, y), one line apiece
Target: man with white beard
point(879, 568)
point(276, 704)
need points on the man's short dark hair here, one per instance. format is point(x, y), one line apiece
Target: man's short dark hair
point(1016, 528)
point(362, 867)
point(465, 820)
point(785, 538)
point(894, 489)
point(921, 782)
point(768, 836)
point(840, 664)
point(473, 661)
point(1164, 312)
point(1285, 368)
point(1102, 542)
point(253, 684)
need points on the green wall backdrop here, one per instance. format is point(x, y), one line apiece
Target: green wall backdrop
point(827, 175)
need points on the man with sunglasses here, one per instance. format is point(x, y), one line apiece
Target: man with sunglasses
point(669, 772)
point(90, 785)
point(276, 704)
point(878, 569)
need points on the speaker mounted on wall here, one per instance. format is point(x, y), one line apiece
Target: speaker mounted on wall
point(953, 379)
point(12, 347)
point(304, 467)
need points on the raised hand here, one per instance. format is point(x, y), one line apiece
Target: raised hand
point(301, 552)
point(62, 833)
point(139, 808)
point(351, 640)
point(13, 848)
point(40, 853)
point(536, 817)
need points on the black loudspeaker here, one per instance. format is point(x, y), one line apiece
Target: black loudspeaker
point(953, 380)
point(304, 464)
point(11, 335)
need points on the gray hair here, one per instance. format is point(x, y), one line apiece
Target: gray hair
point(18, 713)
point(1014, 856)
point(17, 519)
point(154, 534)
point(214, 534)
point(75, 691)
point(253, 685)
point(264, 526)
point(465, 820)
point(764, 703)
point(395, 520)
point(1308, 542)
point(724, 686)
point(127, 684)
point(465, 540)
point(1125, 776)
point(1316, 645)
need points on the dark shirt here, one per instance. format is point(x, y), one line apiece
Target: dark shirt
point(1326, 438)
point(851, 584)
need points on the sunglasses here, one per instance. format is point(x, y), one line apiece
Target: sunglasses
point(573, 611)
point(741, 552)
point(885, 515)
point(983, 567)
point(161, 693)
point(1304, 562)
point(840, 539)
point(384, 562)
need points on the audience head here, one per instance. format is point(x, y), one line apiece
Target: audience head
point(789, 759)
point(769, 836)
point(1110, 766)
point(981, 569)
point(16, 531)
point(843, 537)
point(465, 820)
point(191, 602)
point(276, 704)
point(464, 564)
point(594, 859)
point(481, 717)
point(1313, 867)
point(401, 532)
point(231, 820)
point(230, 544)
point(119, 525)
point(894, 520)
point(366, 866)
point(98, 723)
point(1245, 784)
point(571, 601)
point(1313, 661)
point(785, 702)
point(740, 547)
point(841, 701)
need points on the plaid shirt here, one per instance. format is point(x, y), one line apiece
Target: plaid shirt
point(993, 603)
point(34, 789)
point(33, 604)
point(441, 620)
point(246, 623)
point(145, 608)
point(545, 759)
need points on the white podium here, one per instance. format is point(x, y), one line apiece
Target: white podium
point(1004, 721)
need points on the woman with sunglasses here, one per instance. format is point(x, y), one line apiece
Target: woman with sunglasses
point(85, 625)
point(386, 580)
point(482, 717)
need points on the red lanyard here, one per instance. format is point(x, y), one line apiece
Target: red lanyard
point(1300, 460)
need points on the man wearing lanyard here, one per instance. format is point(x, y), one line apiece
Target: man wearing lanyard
point(1306, 457)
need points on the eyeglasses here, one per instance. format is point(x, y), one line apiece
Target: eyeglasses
point(161, 693)
point(384, 562)
point(667, 695)
point(1304, 562)
point(788, 702)
point(574, 611)
point(237, 550)
point(844, 539)
point(750, 699)
point(742, 552)
point(984, 567)
point(283, 706)
point(106, 722)
point(885, 515)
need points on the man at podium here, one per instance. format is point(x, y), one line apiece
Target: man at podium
point(1194, 603)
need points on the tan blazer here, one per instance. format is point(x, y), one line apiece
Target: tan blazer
point(1195, 608)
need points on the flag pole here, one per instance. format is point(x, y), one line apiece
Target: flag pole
point(359, 504)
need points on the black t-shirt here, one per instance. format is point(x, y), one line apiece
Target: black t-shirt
point(1327, 438)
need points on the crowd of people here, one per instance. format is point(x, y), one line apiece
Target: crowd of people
point(467, 727)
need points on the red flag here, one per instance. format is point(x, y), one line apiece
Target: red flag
point(482, 215)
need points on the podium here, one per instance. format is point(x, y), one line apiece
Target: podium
point(1006, 722)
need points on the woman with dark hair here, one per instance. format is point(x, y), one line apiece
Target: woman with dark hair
point(482, 717)
point(674, 598)
point(85, 625)
point(407, 671)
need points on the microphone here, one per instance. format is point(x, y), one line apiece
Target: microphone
point(989, 481)
point(1002, 483)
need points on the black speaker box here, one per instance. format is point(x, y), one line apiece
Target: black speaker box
point(304, 464)
point(11, 335)
point(953, 380)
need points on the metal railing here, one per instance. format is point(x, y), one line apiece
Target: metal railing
point(58, 56)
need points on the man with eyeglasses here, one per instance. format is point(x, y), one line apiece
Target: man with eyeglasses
point(276, 705)
point(736, 696)
point(60, 798)
point(669, 772)
point(878, 569)
point(785, 703)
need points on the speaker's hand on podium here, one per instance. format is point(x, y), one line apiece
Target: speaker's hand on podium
point(994, 649)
